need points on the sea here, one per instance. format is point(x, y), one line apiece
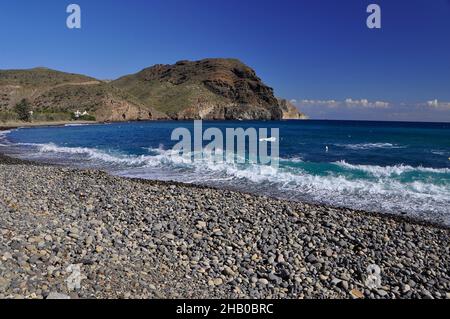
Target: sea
point(387, 167)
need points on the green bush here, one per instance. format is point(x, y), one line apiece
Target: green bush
point(23, 109)
point(51, 116)
point(83, 118)
point(87, 118)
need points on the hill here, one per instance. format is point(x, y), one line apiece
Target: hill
point(208, 89)
point(215, 89)
point(56, 95)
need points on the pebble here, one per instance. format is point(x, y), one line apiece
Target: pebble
point(145, 239)
point(228, 271)
point(201, 225)
point(344, 284)
point(216, 282)
point(406, 288)
point(4, 284)
point(356, 294)
point(335, 281)
point(263, 281)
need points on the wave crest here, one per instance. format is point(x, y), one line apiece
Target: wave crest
point(368, 146)
point(388, 171)
point(328, 183)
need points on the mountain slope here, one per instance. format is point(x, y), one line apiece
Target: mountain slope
point(213, 89)
point(207, 89)
point(58, 92)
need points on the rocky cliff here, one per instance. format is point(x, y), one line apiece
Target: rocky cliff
point(215, 89)
point(290, 112)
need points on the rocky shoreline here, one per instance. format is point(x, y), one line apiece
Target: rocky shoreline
point(144, 239)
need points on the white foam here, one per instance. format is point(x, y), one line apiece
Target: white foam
point(4, 133)
point(436, 152)
point(262, 173)
point(3, 137)
point(209, 161)
point(164, 158)
point(387, 171)
point(89, 153)
point(385, 193)
point(292, 159)
point(368, 146)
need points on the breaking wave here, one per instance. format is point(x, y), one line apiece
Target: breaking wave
point(338, 183)
point(3, 140)
point(3, 134)
point(387, 171)
point(419, 191)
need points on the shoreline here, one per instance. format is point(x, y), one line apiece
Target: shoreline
point(15, 125)
point(8, 160)
point(174, 240)
point(399, 217)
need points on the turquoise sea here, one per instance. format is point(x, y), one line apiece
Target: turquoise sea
point(399, 168)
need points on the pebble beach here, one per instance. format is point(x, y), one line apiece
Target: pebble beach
point(144, 239)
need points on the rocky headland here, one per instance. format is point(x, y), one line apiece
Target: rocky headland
point(210, 89)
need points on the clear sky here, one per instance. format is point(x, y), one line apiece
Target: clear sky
point(318, 53)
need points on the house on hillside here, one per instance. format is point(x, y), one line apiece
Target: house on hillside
point(78, 114)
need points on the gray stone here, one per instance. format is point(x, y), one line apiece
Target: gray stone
point(311, 258)
point(263, 281)
point(4, 284)
point(344, 284)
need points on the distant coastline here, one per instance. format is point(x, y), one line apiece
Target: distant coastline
point(15, 125)
point(209, 89)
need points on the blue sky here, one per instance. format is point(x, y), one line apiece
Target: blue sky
point(317, 52)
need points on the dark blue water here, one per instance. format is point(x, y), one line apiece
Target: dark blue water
point(400, 168)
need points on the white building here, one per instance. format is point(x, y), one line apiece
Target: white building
point(79, 114)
